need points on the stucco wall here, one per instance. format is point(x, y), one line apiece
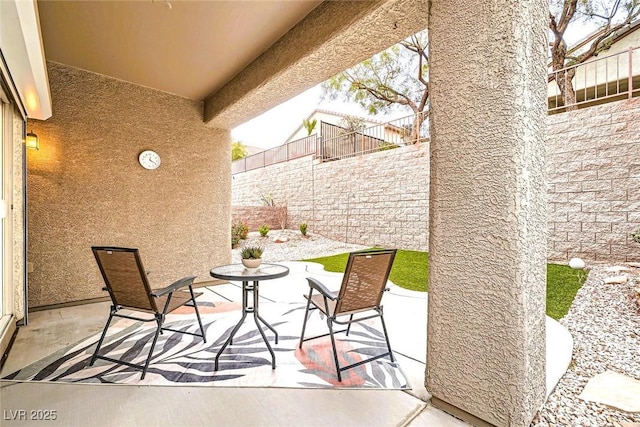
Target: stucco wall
point(594, 182)
point(488, 216)
point(18, 217)
point(379, 199)
point(87, 188)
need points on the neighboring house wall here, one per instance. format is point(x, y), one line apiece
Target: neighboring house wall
point(594, 190)
point(86, 187)
point(326, 117)
point(606, 67)
point(380, 199)
point(594, 182)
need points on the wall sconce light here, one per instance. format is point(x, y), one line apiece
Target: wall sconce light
point(31, 141)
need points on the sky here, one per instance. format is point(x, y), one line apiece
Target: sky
point(273, 127)
point(276, 125)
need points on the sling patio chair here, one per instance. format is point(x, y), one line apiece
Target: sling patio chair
point(126, 281)
point(363, 283)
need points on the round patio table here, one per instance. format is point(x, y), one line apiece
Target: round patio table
point(238, 272)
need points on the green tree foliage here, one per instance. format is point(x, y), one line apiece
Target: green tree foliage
point(394, 78)
point(238, 151)
point(613, 15)
point(309, 125)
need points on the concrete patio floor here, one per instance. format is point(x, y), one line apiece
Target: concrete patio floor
point(107, 405)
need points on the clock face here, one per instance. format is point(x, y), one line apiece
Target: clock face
point(149, 159)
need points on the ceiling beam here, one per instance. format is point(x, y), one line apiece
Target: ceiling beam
point(333, 37)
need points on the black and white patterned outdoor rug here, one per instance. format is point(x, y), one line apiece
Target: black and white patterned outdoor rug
point(181, 359)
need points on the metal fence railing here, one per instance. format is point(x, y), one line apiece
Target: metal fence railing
point(336, 142)
point(604, 79)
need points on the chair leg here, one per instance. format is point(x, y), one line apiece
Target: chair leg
point(104, 333)
point(195, 307)
point(335, 351)
point(159, 321)
point(349, 325)
point(306, 316)
point(386, 336)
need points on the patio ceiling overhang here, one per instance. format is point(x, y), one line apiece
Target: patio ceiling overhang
point(239, 57)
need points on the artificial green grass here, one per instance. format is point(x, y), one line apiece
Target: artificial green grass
point(563, 283)
point(411, 271)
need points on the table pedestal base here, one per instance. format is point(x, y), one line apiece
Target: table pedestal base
point(246, 288)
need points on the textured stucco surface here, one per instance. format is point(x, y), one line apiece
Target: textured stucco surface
point(333, 37)
point(594, 183)
point(87, 188)
point(488, 216)
point(378, 199)
point(18, 217)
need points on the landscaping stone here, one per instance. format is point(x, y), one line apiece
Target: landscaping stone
point(615, 280)
point(617, 269)
point(297, 247)
point(613, 389)
point(605, 325)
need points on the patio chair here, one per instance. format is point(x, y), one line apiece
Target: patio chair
point(363, 283)
point(126, 281)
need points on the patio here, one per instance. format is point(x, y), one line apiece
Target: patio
point(123, 78)
point(76, 404)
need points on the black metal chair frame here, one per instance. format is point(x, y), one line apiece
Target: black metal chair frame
point(333, 317)
point(158, 316)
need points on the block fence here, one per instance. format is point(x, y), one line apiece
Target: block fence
point(378, 199)
point(594, 182)
point(382, 198)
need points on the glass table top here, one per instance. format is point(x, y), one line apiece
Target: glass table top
point(265, 271)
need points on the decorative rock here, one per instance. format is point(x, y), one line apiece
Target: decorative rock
point(603, 322)
point(617, 269)
point(615, 280)
point(613, 389)
point(577, 263)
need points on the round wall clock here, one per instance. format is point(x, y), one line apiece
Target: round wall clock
point(149, 159)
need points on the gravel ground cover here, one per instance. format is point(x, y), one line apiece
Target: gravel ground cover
point(604, 321)
point(297, 247)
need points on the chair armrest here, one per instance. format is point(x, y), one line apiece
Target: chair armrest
point(185, 281)
point(318, 286)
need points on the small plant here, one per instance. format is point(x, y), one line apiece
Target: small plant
point(267, 200)
point(239, 231)
point(252, 252)
point(303, 229)
point(264, 230)
point(635, 236)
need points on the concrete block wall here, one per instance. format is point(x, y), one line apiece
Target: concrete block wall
point(594, 183)
point(257, 216)
point(378, 199)
point(383, 198)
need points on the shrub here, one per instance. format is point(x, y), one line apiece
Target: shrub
point(635, 236)
point(239, 231)
point(267, 200)
point(303, 229)
point(252, 252)
point(263, 230)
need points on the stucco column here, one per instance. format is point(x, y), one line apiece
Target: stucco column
point(486, 336)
